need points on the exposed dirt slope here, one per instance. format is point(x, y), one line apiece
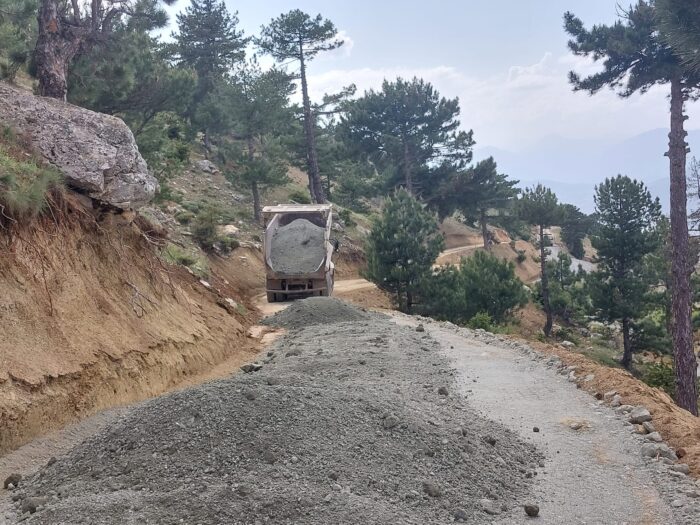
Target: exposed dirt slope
point(90, 318)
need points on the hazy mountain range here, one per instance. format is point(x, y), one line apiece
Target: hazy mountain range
point(572, 167)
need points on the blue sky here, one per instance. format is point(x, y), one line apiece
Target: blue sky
point(506, 60)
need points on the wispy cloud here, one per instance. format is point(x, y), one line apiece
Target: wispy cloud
point(524, 104)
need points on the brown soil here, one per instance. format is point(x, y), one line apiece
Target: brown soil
point(677, 426)
point(90, 318)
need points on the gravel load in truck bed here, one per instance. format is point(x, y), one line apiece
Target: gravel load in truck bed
point(346, 423)
point(297, 248)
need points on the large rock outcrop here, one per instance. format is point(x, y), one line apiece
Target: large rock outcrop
point(96, 153)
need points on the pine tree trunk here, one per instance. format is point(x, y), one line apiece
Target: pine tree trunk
point(408, 172)
point(255, 190)
point(545, 285)
point(681, 267)
point(315, 184)
point(484, 230)
point(626, 344)
point(256, 201)
point(56, 46)
point(207, 144)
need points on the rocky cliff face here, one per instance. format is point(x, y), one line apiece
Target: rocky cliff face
point(96, 153)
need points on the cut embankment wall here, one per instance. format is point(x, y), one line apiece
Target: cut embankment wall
point(90, 318)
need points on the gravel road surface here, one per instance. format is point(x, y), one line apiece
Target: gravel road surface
point(351, 420)
point(357, 417)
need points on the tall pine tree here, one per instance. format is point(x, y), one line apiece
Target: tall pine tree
point(626, 233)
point(409, 132)
point(300, 37)
point(209, 41)
point(635, 58)
point(539, 207)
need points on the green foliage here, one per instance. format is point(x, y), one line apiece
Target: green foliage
point(17, 35)
point(477, 193)
point(634, 53)
point(482, 284)
point(568, 295)
point(174, 254)
point(539, 206)
point(650, 333)
point(520, 257)
point(680, 24)
point(628, 218)
point(481, 321)
point(25, 184)
point(345, 216)
point(659, 375)
point(184, 217)
point(575, 225)
point(131, 76)
point(300, 197)
point(382, 127)
point(402, 247)
point(204, 228)
point(295, 33)
point(209, 41)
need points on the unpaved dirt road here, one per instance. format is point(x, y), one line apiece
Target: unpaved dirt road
point(344, 423)
point(593, 475)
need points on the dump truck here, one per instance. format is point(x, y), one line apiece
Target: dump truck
point(298, 251)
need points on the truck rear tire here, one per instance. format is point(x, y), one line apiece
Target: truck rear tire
point(271, 297)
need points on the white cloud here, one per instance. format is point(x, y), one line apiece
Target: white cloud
point(524, 104)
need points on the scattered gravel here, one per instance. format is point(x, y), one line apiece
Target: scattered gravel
point(322, 439)
point(297, 248)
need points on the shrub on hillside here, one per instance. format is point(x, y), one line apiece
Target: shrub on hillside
point(659, 375)
point(300, 197)
point(482, 285)
point(25, 184)
point(204, 228)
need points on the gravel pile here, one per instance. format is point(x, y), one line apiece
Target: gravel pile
point(345, 423)
point(299, 247)
point(314, 311)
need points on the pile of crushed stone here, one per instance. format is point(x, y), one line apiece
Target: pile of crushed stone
point(315, 311)
point(297, 248)
point(345, 423)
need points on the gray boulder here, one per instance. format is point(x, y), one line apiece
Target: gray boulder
point(96, 153)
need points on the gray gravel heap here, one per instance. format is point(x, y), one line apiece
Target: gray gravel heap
point(298, 247)
point(315, 311)
point(348, 422)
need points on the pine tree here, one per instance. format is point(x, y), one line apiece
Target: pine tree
point(17, 35)
point(680, 22)
point(575, 225)
point(539, 207)
point(67, 30)
point(132, 77)
point(402, 247)
point(490, 191)
point(260, 110)
point(635, 58)
point(300, 37)
point(409, 132)
point(208, 41)
point(626, 234)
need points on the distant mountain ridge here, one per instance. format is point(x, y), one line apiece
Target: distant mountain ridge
point(572, 167)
